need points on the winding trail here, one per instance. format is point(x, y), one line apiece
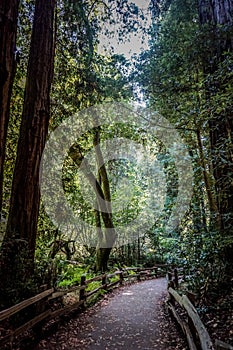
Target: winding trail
point(131, 318)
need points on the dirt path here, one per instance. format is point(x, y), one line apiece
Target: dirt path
point(131, 318)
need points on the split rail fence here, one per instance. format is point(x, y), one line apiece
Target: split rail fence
point(49, 304)
point(193, 328)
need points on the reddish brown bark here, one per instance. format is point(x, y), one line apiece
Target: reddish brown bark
point(8, 29)
point(18, 247)
point(217, 16)
point(25, 197)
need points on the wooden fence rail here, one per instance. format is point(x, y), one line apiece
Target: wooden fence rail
point(52, 295)
point(196, 334)
point(18, 307)
point(194, 326)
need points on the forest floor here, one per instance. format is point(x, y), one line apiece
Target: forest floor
point(132, 317)
point(217, 315)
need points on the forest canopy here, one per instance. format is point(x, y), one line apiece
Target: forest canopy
point(159, 137)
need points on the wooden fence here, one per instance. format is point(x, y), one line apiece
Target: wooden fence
point(51, 305)
point(196, 334)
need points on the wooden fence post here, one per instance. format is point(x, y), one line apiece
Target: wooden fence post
point(82, 291)
point(138, 273)
point(104, 282)
point(121, 276)
point(170, 281)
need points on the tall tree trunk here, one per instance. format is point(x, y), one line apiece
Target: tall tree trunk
point(20, 238)
point(103, 248)
point(8, 29)
point(106, 237)
point(217, 15)
point(215, 219)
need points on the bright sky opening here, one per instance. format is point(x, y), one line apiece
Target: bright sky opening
point(133, 43)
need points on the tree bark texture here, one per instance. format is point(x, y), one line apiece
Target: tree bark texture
point(17, 264)
point(106, 236)
point(25, 197)
point(215, 218)
point(8, 29)
point(217, 17)
point(107, 239)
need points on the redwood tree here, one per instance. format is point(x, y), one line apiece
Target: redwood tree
point(19, 242)
point(217, 18)
point(8, 29)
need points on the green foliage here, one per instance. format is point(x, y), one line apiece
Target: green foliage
point(172, 80)
point(71, 275)
point(183, 77)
